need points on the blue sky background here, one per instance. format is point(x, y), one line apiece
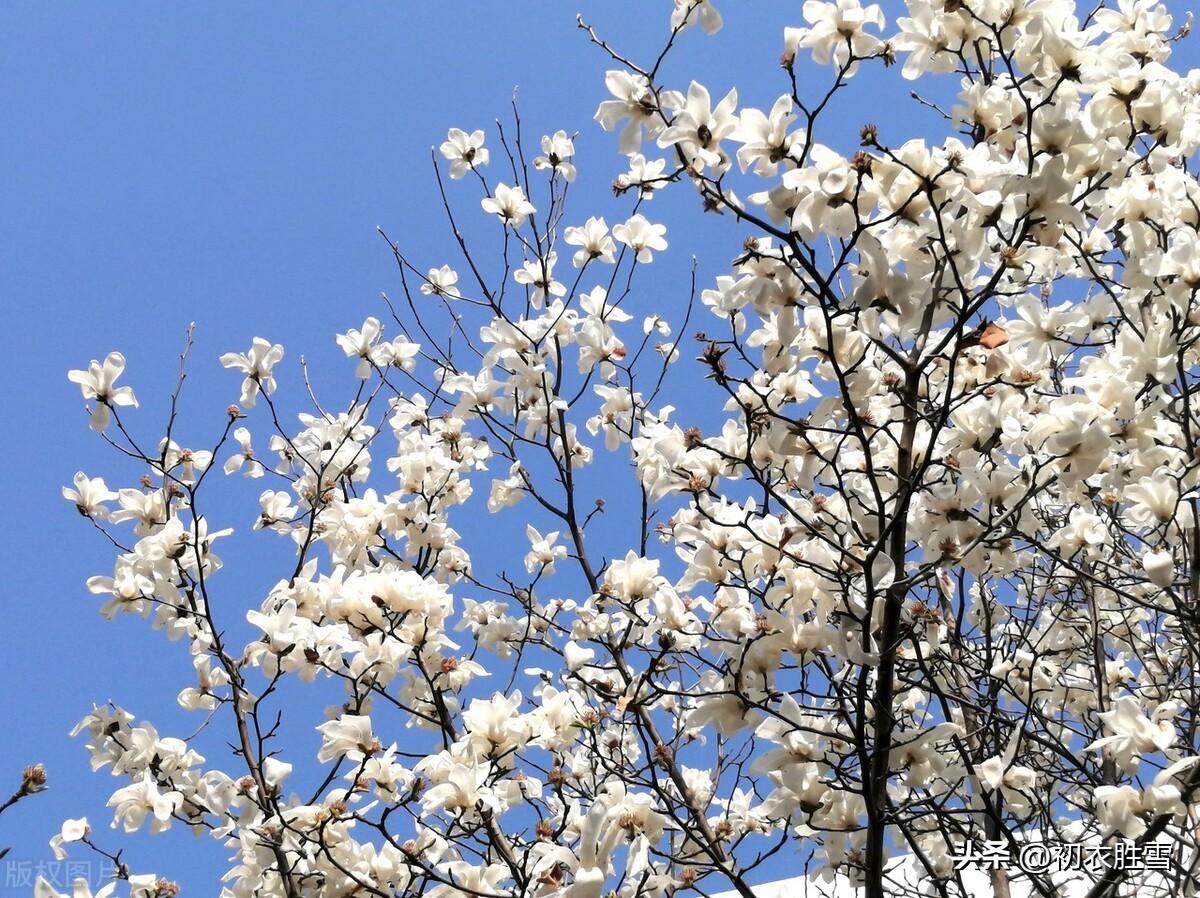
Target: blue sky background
point(228, 164)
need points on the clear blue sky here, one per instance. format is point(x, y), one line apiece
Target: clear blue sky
point(228, 164)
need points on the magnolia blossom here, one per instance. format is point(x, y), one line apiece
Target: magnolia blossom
point(1133, 733)
point(765, 139)
point(543, 552)
point(632, 100)
point(361, 344)
point(643, 237)
point(1159, 567)
point(646, 175)
point(593, 240)
point(557, 149)
point(458, 787)
point(243, 460)
point(441, 281)
point(89, 496)
point(698, 128)
point(143, 798)
point(870, 531)
point(72, 831)
point(80, 889)
point(688, 12)
point(465, 151)
point(837, 31)
point(1125, 809)
point(539, 274)
point(257, 364)
point(349, 736)
point(98, 383)
point(1014, 782)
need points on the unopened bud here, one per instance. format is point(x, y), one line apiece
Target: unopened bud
point(33, 779)
point(862, 162)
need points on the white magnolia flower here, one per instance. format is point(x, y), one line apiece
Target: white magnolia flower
point(1014, 782)
point(837, 30)
point(275, 771)
point(465, 151)
point(642, 237)
point(1125, 809)
point(1133, 734)
point(539, 274)
point(496, 725)
point(98, 384)
point(765, 139)
point(557, 150)
point(79, 889)
point(688, 12)
point(244, 460)
point(698, 128)
point(277, 509)
point(646, 176)
point(593, 240)
point(458, 787)
point(361, 344)
point(145, 797)
point(632, 100)
point(349, 736)
point(543, 552)
point(89, 496)
point(72, 831)
point(1159, 567)
point(441, 281)
point(509, 205)
point(941, 431)
point(257, 364)
point(576, 656)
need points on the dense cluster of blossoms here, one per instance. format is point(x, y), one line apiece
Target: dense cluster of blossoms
point(929, 577)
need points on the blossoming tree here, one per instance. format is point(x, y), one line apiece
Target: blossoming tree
point(927, 578)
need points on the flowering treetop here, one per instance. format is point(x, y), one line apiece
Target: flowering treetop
point(930, 579)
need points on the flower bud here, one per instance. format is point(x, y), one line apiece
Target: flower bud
point(1159, 567)
point(33, 779)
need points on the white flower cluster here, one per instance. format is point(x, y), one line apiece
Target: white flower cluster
point(905, 557)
